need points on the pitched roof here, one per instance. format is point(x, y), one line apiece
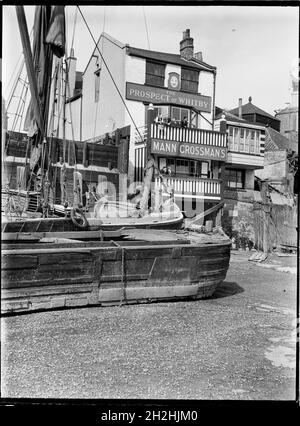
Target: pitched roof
point(230, 117)
point(276, 141)
point(250, 108)
point(170, 58)
point(287, 110)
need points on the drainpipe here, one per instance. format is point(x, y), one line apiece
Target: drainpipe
point(213, 106)
point(81, 117)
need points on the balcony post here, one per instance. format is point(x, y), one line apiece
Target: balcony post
point(150, 120)
point(150, 163)
point(223, 124)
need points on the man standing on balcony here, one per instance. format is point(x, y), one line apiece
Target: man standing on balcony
point(184, 122)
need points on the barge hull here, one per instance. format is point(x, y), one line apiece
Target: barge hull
point(109, 273)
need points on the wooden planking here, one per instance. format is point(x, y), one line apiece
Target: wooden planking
point(147, 274)
point(144, 293)
point(97, 154)
point(20, 262)
point(11, 281)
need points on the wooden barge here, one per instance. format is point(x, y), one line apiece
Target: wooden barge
point(47, 275)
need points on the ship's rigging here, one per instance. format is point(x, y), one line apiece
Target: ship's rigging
point(51, 83)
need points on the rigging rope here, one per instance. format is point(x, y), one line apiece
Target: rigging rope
point(75, 19)
point(108, 70)
point(146, 28)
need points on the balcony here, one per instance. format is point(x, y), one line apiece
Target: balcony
point(188, 187)
point(188, 135)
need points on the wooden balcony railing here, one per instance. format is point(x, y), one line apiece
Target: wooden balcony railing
point(190, 186)
point(188, 135)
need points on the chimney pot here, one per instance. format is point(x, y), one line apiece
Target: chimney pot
point(240, 107)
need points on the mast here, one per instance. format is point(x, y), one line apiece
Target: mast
point(29, 66)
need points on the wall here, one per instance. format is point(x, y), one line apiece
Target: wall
point(280, 225)
point(289, 123)
point(237, 219)
point(73, 119)
point(135, 71)
point(275, 167)
point(206, 88)
point(108, 113)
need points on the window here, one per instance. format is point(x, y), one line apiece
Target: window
point(163, 110)
point(155, 74)
point(204, 169)
point(257, 142)
point(189, 80)
point(235, 178)
point(242, 140)
point(179, 113)
point(247, 140)
point(236, 139)
point(180, 166)
point(230, 137)
point(252, 142)
point(171, 164)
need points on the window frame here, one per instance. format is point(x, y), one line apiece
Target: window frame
point(186, 81)
point(151, 76)
point(235, 183)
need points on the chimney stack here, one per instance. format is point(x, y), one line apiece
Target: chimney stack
point(187, 46)
point(240, 107)
point(198, 56)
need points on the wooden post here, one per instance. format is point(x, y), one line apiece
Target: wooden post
point(223, 129)
point(149, 169)
point(265, 217)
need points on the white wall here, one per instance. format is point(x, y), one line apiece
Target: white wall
point(107, 114)
point(171, 68)
point(206, 88)
point(135, 69)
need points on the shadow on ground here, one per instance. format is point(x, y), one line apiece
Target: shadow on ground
point(227, 288)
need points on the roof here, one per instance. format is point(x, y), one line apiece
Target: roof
point(287, 110)
point(95, 49)
point(170, 58)
point(230, 117)
point(276, 141)
point(250, 108)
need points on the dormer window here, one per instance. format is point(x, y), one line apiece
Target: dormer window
point(155, 73)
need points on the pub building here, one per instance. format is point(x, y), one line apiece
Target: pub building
point(178, 130)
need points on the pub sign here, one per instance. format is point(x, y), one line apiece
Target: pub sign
point(159, 95)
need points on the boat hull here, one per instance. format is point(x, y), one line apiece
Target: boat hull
point(66, 224)
point(42, 277)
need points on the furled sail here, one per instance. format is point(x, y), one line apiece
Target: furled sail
point(48, 38)
point(56, 32)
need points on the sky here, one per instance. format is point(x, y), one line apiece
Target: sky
point(253, 48)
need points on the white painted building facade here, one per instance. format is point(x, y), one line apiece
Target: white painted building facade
point(118, 84)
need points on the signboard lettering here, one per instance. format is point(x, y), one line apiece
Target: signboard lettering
point(158, 95)
point(188, 150)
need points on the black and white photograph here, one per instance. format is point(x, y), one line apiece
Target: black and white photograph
point(149, 209)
